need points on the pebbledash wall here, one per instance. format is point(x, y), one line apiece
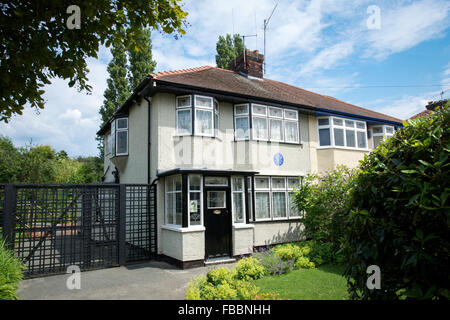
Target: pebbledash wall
point(223, 152)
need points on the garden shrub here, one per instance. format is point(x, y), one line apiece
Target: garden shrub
point(324, 201)
point(273, 264)
point(248, 268)
point(322, 252)
point(297, 253)
point(219, 284)
point(401, 213)
point(11, 273)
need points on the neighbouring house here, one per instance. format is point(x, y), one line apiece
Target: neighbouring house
point(226, 149)
point(430, 107)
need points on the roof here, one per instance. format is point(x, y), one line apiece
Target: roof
point(214, 78)
point(421, 113)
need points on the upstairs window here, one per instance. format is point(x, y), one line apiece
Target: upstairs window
point(343, 133)
point(117, 143)
point(268, 123)
point(380, 133)
point(197, 115)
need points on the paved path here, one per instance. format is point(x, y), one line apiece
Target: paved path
point(152, 280)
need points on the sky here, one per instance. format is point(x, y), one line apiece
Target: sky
point(388, 56)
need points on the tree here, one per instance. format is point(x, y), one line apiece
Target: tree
point(400, 214)
point(36, 44)
point(228, 48)
point(141, 59)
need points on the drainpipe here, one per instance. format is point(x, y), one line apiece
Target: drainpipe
point(148, 140)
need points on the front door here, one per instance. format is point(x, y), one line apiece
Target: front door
point(217, 222)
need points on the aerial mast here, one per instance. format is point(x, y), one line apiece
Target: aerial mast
point(266, 22)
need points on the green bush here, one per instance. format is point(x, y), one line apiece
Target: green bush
point(11, 273)
point(295, 252)
point(401, 214)
point(248, 268)
point(273, 264)
point(219, 284)
point(322, 252)
point(324, 200)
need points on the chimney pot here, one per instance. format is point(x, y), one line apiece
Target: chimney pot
point(253, 65)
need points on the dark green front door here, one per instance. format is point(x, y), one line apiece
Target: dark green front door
point(217, 222)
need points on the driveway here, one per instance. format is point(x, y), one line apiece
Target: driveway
point(152, 280)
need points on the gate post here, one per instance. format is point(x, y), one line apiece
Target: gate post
point(8, 215)
point(86, 220)
point(122, 223)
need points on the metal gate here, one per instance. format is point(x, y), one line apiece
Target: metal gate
point(51, 227)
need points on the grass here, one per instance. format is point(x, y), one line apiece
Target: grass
point(322, 283)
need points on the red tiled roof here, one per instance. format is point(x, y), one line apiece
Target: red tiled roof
point(229, 81)
point(420, 114)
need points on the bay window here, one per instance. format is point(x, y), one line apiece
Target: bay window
point(343, 133)
point(117, 141)
point(184, 115)
point(174, 202)
point(197, 115)
point(204, 116)
point(268, 123)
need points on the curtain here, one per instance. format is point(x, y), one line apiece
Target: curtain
point(262, 205)
point(184, 121)
point(291, 131)
point(279, 204)
point(276, 129)
point(203, 122)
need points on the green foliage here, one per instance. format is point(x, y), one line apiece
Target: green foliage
point(323, 252)
point(228, 48)
point(298, 254)
point(273, 264)
point(401, 213)
point(11, 273)
point(248, 268)
point(141, 59)
point(324, 201)
point(219, 284)
point(41, 164)
point(37, 45)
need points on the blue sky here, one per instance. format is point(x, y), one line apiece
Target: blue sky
point(322, 45)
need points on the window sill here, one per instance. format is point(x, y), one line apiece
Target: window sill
point(243, 226)
point(183, 230)
point(342, 148)
point(274, 220)
point(268, 141)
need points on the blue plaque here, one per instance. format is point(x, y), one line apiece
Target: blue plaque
point(278, 159)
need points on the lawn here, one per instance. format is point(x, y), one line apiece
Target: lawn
point(322, 283)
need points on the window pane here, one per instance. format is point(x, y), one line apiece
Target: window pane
point(291, 129)
point(279, 204)
point(339, 137)
point(184, 101)
point(122, 142)
point(170, 208)
point(194, 208)
point(278, 183)
point(177, 182)
point(184, 123)
point(276, 129)
point(179, 208)
point(360, 125)
point(260, 128)
point(122, 123)
point(203, 122)
point(194, 182)
point(377, 129)
point(216, 181)
point(293, 211)
point(259, 109)
point(237, 184)
point(293, 183)
point(324, 122)
point(241, 109)
point(362, 141)
point(275, 112)
point(290, 114)
point(350, 136)
point(262, 205)
point(203, 102)
point(389, 130)
point(261, 183)
point(338, 122)
point(238, 207)
point(242, 130)
point(216, 199)
point(324, 137)
point(377, 140)
point(349, 124)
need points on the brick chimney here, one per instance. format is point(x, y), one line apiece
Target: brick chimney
point(253, 65)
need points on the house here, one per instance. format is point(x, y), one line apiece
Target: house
point(226, 149)
point(430, 107)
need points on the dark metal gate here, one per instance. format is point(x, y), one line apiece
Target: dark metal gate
point(51, 227)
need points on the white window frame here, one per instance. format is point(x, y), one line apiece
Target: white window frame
point(290, 190)
point(331, 125)
point(184, 108)
point(189, 199)
point(279, 190)
point(117, 140)
point(239, 116)
point(383, 134)
point(244, 197)
point(166, 213)
point(203, 108)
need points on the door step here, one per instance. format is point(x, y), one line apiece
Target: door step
point(219, 261)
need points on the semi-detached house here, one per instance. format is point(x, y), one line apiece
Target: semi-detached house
point(226, 149)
